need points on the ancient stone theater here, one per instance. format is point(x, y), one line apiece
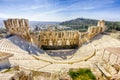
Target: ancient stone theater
point(53, 39)
point(51, 54)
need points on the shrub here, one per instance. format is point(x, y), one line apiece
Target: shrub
point(82, 74)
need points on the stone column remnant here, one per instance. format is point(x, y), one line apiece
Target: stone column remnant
point(18, 27)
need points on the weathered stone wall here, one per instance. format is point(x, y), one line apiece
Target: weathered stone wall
point(59, 38)
point(94, 30)
point(19, 27)
point(101, 23)
point(110, 58)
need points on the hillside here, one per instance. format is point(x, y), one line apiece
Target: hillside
point(83, 24)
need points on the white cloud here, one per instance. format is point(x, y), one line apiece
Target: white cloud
point(55, 11)
point(2, 15)
point(31, 8)
point(90, 4)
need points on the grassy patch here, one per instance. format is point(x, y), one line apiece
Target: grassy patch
point(82, 74)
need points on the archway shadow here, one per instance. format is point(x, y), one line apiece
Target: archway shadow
point(63, 53)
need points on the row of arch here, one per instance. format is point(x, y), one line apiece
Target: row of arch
point(59, 38)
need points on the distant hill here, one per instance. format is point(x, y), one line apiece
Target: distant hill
point(83, 24)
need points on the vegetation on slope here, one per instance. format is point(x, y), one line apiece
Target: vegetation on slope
point(82, 74)
point(82, 24)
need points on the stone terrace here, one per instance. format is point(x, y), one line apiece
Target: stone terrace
point(85, 57)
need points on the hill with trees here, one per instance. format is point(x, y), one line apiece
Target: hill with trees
point(82, 24)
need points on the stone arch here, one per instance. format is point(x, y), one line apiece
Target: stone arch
point(67, 42)
point(59, 42)
point(50, 43)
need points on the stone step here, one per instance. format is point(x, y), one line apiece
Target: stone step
point(103, 71)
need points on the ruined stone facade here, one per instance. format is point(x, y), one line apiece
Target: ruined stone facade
point(101, 23)
point(19, 27)
point(59, 39)
point(94, 30)
point(53, 39)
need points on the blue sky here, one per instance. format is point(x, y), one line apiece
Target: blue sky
point(60, 10)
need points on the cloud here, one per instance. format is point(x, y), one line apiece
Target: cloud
point(34, 7)
point(90, 4)
point(2, 15)
point(59, 10)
